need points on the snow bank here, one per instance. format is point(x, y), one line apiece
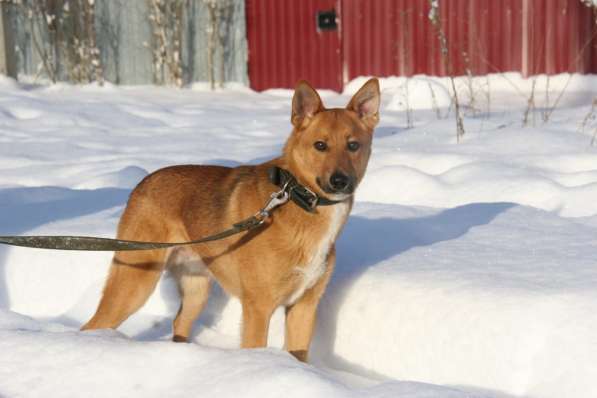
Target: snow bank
point(546, 169)
point(47, 359)
point(496, 295)
point(465, 270)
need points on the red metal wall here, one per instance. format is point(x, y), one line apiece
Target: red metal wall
point(285, 46)
point(395, 37)
point(387, 37)
point(561, 37)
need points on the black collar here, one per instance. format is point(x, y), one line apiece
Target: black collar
point(299, 194)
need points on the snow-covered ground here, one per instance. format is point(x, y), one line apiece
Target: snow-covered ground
point(466, 270)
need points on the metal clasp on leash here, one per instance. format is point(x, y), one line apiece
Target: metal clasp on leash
point(276, 199)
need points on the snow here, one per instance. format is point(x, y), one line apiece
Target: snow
point(465, 270)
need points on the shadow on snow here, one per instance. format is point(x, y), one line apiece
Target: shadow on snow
point(367, 241)
point(23, 209)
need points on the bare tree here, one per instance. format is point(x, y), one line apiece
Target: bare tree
point(41, 24)
point(220, 14)
point(8, 61)
point(225, 18)
point(212, 28)
point(165, 17)
point(64, 30)
point(78, 41)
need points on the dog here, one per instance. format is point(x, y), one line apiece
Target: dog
point(286, 262)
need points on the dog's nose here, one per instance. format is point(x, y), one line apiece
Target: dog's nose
point(340, 182)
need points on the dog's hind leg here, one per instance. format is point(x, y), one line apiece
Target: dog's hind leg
point(133, 277)
point(194, 291)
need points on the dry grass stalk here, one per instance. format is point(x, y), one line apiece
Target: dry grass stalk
point(434, 104)
point(544, 113)
point(530, 110)
point(472, 93)
point(488, 96)
point(404, 20)
point(584, 48)
point(434, 17)
point(590, 117)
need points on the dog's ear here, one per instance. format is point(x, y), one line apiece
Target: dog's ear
point(365, 103)
point(305, 104)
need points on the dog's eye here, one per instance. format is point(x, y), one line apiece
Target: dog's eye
point(320, 146)
point(353, 146)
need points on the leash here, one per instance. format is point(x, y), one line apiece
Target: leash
point(290, 190)
point(91, 243)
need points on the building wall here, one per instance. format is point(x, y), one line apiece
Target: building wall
point(123, 28)
point(282, 44)
point(285, 44)
point(396, 37)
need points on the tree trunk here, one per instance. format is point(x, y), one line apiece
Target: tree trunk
point(8, 60)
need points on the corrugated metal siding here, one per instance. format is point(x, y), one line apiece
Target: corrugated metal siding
point(285, 46)
point(561, 37)
point(395, 37)
point(494, 36)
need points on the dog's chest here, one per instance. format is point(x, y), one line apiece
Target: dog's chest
point(312, 271)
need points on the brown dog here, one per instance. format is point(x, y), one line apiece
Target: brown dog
point(287, 262)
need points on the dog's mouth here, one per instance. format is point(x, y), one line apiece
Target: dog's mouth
point(336, 193)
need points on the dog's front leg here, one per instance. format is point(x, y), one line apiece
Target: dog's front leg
point(301, 316)
point(256, 317)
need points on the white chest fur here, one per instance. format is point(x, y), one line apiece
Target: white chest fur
point(310, 273)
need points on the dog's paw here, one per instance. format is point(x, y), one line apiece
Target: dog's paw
point(301, 355)
point(179, 339)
